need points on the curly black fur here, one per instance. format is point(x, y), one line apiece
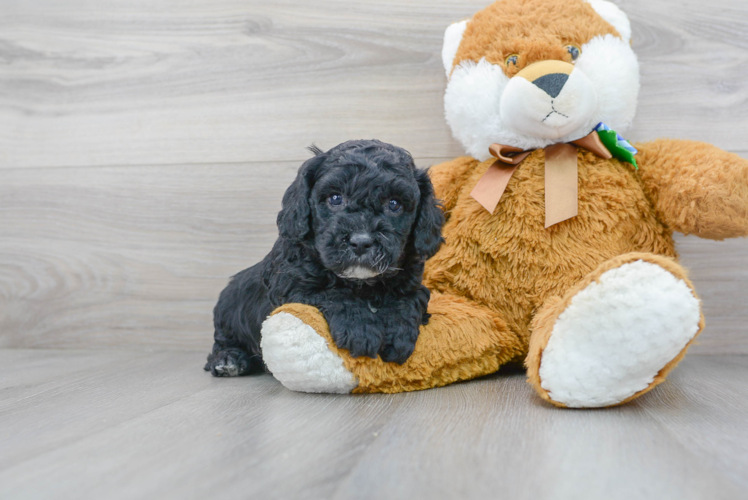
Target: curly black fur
point(362, 206)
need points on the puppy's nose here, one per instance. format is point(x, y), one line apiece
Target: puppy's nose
point(552, 84)
point(361, 242)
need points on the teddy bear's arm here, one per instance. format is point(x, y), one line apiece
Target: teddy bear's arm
point(449, 178)
point(696, 188)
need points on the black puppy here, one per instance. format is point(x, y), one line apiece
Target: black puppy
point(356, 227)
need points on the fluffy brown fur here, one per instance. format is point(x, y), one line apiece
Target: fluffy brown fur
point(537, 30)
point(696, 188)
point(509, 262)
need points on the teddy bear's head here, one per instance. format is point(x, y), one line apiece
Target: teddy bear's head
point(531, 73)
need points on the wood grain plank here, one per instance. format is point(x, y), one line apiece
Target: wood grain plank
point(493, 437)
point(79, 404)
point(704, 427)
point(99, 251)
point(136, 256)
point(30, 373)
point(719, 270)
point(141, 434)
point(135, 435)
point(133, 83)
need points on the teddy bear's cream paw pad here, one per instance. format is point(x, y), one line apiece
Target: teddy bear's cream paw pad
point(617, 334)
point(300, 359)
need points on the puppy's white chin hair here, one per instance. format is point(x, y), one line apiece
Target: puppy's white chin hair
point(359, 273)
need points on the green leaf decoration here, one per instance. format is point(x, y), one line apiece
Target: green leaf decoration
point(610, 139)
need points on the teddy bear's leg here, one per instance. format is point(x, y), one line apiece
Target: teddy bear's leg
point(616, 335)
point(301, 358)
point(462, 340)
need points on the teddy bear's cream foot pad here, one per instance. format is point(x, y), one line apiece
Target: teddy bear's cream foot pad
point(617, 334)
point(300, 359)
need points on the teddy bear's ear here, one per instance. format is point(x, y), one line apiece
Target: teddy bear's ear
point(614, 15)
point(452, 39)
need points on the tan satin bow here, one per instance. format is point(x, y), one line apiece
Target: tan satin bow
point(560, 176)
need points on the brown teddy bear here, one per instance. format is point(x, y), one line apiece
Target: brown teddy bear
point(559, 249)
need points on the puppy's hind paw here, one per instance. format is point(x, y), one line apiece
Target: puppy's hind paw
point(232, 362)
point(299, 357)
point(225, 370)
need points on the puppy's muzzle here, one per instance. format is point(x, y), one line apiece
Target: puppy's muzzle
point(361, 243)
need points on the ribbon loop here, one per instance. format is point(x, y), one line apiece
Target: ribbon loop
point(561, 174)
point(593, 143)
point(508, 154)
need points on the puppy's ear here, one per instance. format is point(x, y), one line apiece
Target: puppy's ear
point(427, 230)
point(294, 219)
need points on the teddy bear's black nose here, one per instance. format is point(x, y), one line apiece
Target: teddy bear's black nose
point(361, 243)
point(552, 84)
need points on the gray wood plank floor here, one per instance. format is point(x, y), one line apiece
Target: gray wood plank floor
point(125, 424)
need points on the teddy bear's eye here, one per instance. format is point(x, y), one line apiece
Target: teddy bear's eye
point(512, 60)
point(574, 52)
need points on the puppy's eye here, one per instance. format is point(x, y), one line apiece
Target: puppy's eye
point(394, 206)
point(574, 52)
point(335, 200)
point(512, 60)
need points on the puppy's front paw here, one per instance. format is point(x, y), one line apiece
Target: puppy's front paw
point(396, 354)
point(357, 335)
point(399, 344)
point(360, 342)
